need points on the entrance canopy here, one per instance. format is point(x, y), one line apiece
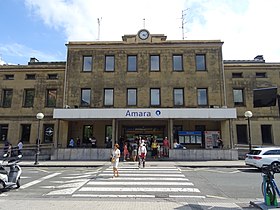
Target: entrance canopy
point(148, 113)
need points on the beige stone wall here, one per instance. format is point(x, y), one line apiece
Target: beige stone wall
point(249, 81)
point(16, 115)
point(166, 79)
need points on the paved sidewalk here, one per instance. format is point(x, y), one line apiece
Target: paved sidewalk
point(237, 163)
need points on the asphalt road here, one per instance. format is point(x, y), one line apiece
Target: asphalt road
point(164, 187)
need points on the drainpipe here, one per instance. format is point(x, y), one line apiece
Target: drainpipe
point(57, 137)
point(224, 95)
point(113, 132)
point(171, 133)
point(65, 80)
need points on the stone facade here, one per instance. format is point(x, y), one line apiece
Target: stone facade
point(248, 75)
point(70, 78)
point(40, 77)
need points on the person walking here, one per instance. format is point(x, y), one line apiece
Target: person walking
point(115, 158)
point(220, 143)
point(154, 147)
point(10, 150)
point(166, 147)
point(134, 153)
point(125, 152)
point(6, 146)
point(19, 147)
point(142, 153)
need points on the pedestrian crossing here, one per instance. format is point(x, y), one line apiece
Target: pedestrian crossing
point(150, 182)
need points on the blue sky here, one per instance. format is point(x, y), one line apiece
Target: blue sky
point(41, 28)
point(25, 35)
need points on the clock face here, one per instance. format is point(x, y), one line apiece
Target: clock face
point(143, 34)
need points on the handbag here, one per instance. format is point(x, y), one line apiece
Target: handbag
point(112, 160)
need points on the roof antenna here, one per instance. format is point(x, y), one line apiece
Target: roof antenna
point(144, 22)
point(98, 21)
point(183, 22)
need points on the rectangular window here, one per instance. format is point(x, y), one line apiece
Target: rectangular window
point(131, 96)
point(237, 75)
point(85, 97)
point(51, 97)
point(108, 97)
point(238, 97)
point(131, 63)
point(3, 132)
point(7, 98)
point(30, 77)
point(266, 134)
point(242, 137)
point(155, 96)
point(260, 74)
point(109, 63)
point(177, 63)
point(87, 63)
point(200, 62)
point(154, 63)
point(9, 77)
point(25, 132)
point(178, 96)
point(48, 133)
point(52, 76)
point(29, 95)
point(202, 96)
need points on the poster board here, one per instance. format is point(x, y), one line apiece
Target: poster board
point(211, 139)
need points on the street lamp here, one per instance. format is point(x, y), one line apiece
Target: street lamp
point(248, 115)
point(39, 117)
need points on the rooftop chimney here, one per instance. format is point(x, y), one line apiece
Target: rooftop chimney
point(259, 58)
point(33, 60)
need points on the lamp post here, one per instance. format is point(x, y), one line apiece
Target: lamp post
point(39, 117)
point(248, 115)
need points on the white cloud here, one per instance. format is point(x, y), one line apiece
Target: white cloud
point(78, 19)
point(246, 26)
point(2, 62)
point(21, 51)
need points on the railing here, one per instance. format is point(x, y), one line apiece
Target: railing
point(29, 150)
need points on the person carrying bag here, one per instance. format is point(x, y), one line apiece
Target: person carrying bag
point(142, 152)
point(115, 158)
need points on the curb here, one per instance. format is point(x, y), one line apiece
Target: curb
point(213, 166)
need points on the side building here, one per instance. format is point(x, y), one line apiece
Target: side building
point(26, 90)
point(242, 78)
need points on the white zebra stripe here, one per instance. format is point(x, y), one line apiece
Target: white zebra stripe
point(146, 175)
point(113, 196)
point(143, 179)
point(139, 183)
point(136, 189)
point(144, 169)
point(141, 171)
point(187, 196)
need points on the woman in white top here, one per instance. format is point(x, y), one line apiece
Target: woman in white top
point(115, 159)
